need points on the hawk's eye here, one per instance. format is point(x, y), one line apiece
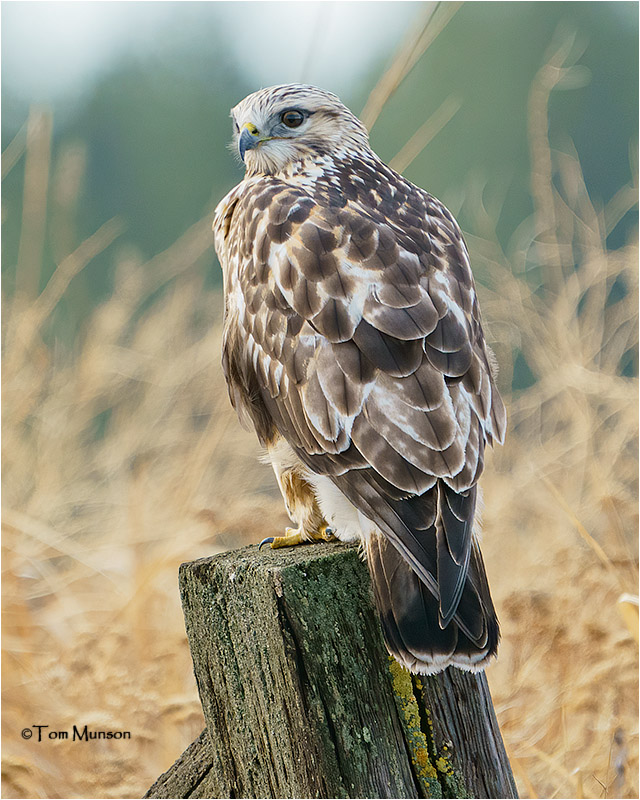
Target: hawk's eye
point(292, 119)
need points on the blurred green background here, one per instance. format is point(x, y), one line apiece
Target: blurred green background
point(140, 95)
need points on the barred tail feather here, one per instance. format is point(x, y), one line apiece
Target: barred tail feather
point(410, 616)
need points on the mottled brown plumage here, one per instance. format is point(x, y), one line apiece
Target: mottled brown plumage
point(353, 345)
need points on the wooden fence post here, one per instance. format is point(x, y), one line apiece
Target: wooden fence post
point(302, 700)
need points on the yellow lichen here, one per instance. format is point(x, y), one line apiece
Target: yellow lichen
point(417, 741)
point(444, 766)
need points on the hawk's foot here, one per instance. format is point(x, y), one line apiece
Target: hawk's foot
point(326, 534)
point(295, 536)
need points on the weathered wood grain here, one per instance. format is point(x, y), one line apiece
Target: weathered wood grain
point(465, 727)
point(190, 775)
point(301, 699)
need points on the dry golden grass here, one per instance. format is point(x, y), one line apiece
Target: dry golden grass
point(123, 458)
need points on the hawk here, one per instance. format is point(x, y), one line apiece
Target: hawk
point(353, 345)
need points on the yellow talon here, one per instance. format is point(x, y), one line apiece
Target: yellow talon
point(292, 536)
point(327, 534)
point(295, 536)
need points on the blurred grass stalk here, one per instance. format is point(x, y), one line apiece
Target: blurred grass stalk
point(435, 18)
point(34, 206)
point(122, 457)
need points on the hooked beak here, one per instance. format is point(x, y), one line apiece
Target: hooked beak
point(249, 138)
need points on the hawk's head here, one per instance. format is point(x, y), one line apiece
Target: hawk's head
point(278, 126)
